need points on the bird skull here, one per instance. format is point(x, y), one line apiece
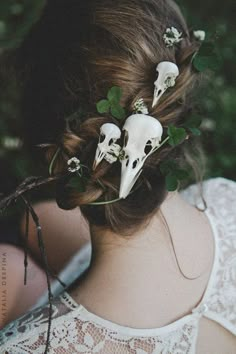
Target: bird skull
point(142, 134)
point(109, 134)
point(167, 74)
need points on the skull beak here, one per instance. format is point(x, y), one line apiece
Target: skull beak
point(128, 179)
point(155, 97)
point(98, 158)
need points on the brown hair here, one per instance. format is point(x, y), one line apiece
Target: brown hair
point(120, 44)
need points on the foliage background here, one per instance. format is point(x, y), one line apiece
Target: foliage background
point(217, 100)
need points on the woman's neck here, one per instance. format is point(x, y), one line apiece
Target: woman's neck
point(170, 229)
point(109, 247)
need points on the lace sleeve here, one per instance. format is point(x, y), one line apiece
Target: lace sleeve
point(29, 323)
point(222, 195)
point(221, 199)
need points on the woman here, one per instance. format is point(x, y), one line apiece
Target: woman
point(162, 273)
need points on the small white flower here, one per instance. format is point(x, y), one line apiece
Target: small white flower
point(200, 35)
point(172, 36)
point(113, 154)
point(170, 81)
point(139, 106)
point(74, 164)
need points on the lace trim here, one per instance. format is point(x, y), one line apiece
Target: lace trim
point(137, 332)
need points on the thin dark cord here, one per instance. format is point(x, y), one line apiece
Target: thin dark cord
point(26, 245)
point(52, 272)
point(28, 184)
point(173, 247)
point(45, 265)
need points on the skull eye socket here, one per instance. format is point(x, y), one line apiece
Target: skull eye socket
point(135, 163)
point(148, 147)
point(127, 162)
point(102, 138)
point(110, 142)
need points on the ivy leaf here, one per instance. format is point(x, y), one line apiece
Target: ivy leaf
point(195, 131)
point(201, 63)
point(103, 106)
point(173, 174)
point(171, 182)
point(118, 112)
point(207, 49)
point(112, 103)
point(207, 56)
point(168, 166)
point(114, 94)
point(177, 135)
point(181, 174)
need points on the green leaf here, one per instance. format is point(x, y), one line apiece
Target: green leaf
point(195, 131)
point(168, 166)
point(201, 63)
point(171, 182)
point(207, 49)
point(118, 112)
point(114, 94)
point(177, 135)
point(103, 106)
point(181, 174)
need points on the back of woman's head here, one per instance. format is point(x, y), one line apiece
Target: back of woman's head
point(107, 43)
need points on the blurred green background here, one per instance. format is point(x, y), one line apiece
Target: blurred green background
point(217, 99)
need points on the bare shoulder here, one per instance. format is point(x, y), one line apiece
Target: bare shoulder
point(213, 338)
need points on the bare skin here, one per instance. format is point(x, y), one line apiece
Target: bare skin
point(64, 233)
point(136, 282)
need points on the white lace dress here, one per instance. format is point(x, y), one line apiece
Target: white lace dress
point(76, 330)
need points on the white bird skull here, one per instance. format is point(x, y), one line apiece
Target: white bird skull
point(167, 74)
point(109, 134)
point(142, 136)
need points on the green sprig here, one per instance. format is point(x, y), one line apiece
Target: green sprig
point(176, 135)
point(173, 174)
point(207, 57)
point(112, 104)
point(193, 124)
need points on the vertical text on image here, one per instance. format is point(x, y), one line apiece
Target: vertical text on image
point(3, 286)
